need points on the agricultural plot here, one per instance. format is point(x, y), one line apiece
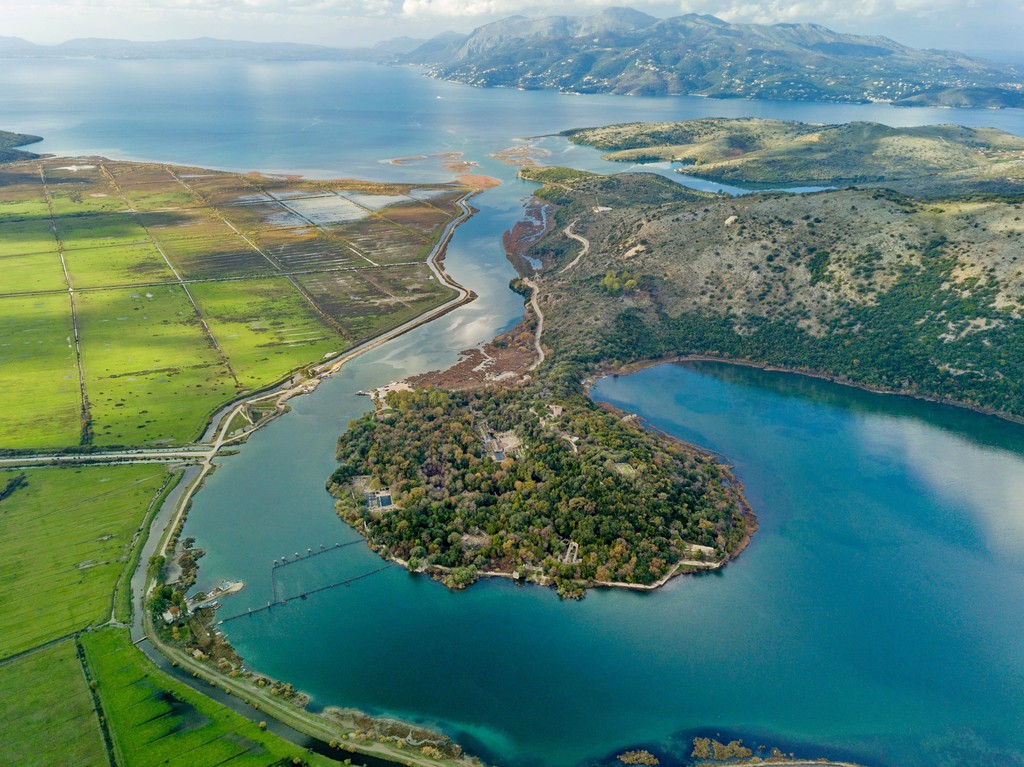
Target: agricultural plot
point(18, 238)
point(425, 219)
point(308, 250)
point(362, 303)
point(152, 374)
point(254, 216)
point(221, 189)
point(37, 355)
point(133, 264)
point(94, 231)
point(155, 720)
point(158, 195)
point(389, 243)
point(228, 256)
point(18, 208)
point(265, 327)
point(65, 536)
point(46, 711)
point(327, 209)
point(32, 273)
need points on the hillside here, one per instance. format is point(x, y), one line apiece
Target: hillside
point(866, 286)
point(931, 160)
point(8, 142)
point(621, 50)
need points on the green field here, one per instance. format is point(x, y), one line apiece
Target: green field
point(28, 236)
point(46, 711)
point(155, 720)
point(151, 371)
point(95, 231)
point(32, 272)
point(64, 540)
point(265, 327)
point(37, 355)
point(133, 264)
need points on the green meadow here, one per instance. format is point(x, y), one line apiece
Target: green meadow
point(32, 273)
point(46, 711)
point(132, 264)
point(265, 327)
point(155, 720)
point(65, 537)
point(37, 356)
point(152, 374)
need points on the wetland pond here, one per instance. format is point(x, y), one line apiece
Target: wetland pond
point(877, 615)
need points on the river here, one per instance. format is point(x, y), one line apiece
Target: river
point(877, 614)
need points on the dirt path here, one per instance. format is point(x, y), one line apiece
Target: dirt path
point(540, 322)
point(582, 241)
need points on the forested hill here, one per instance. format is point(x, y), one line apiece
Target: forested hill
point(620, 50)
point(870, 286)
point(8, 142)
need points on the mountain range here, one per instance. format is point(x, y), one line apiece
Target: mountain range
point(624, 51)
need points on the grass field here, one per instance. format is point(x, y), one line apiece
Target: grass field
point(46, 711)
point(37, 355)
point(151, 372)
point(34, 272)
point(265, 327)
point(133, 264)
point(64, 540)
point(155, 720)
point(31, 235)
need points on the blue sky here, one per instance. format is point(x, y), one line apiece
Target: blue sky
point(956, 24)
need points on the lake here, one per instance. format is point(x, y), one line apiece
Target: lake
point(877, 614)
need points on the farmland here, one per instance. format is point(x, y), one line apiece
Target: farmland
point(46, 711)
point(186, 288)
point(65, 536)
point(156, 720)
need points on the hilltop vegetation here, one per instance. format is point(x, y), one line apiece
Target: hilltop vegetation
point(620, 50)
point(931, 160)
point(8, 142)
point(866, 285)
point(496, 481)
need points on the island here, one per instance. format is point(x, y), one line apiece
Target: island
point(534, 482)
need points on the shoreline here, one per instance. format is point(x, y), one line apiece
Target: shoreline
point(635, 367)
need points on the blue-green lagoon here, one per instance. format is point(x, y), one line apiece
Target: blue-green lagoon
point(877, 614)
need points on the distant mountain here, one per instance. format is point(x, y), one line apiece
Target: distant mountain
point(202, 48)
point(620, 50)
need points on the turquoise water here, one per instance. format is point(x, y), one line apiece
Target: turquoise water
point(877, 614)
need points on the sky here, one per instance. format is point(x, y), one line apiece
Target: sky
point(967, 25)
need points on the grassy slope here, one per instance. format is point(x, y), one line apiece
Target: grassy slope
point(878, 288)
point(931, 160)
point(46, 711)
point(64, 539)
point(155, 720)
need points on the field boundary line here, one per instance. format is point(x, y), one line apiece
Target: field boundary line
point(85, 413)
point(177, 276)
point(97, 705)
